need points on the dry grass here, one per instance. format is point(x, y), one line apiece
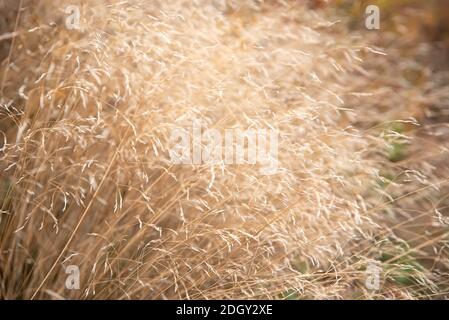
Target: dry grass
point(86, 179)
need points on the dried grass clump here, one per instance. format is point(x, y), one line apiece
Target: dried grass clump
point(87, 116)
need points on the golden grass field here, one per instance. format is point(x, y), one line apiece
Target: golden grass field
point(85, 123)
